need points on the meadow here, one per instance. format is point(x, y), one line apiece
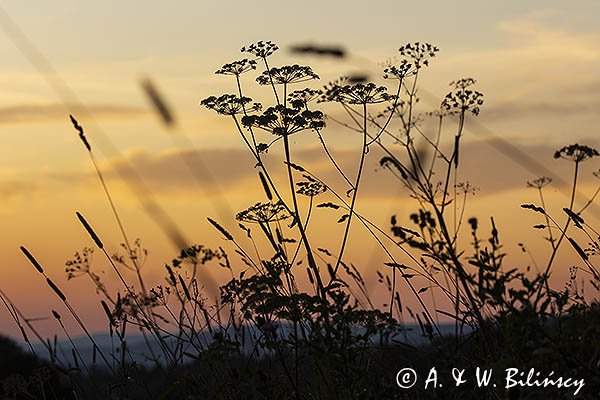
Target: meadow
point(296, 319)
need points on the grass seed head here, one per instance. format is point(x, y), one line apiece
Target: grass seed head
point(32, 260)
point(81, 134)
point(89, 229)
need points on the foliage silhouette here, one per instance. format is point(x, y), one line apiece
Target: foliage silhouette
point(297, 319)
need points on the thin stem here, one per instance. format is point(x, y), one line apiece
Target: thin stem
point(335, 164)
point(308, 214)
point(239, 86)
point(309, 253)
point(271, 80)
point(361, 163)
point(562, 236)
point(550, 237)
point(436, 146)
point(119, 221)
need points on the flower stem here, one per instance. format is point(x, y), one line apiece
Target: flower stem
point(311, 260)
point(355, 191)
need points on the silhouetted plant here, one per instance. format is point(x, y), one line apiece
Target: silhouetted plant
point(296, 319)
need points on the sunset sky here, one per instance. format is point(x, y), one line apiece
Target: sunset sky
point(537, 63)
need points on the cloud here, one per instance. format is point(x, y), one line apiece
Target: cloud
point(43, 112)
point(10, 189)
point(539, 77)
point(543, 31)
point(541, 109)
point(537, 57)
point(233, 170)
point(588, 88)
point(180, 169)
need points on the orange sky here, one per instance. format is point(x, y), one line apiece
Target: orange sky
point(536, 63)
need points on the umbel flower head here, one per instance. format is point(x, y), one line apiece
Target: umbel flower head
point(263, 213)
point(301, 98)
point(399, 109)
point(576, 152)
point(287, 74)
point(237, 68)
point(262, 49)
point(281, 120)
point(358, 93)
point(463, 99)
point(539, 183)
point(419, 53)
point(230, 104)
point(310, 187)
point(399, 71)
point(80, 265)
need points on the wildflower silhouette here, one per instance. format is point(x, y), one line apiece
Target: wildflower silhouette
point(301, 98)
point(261, 49)
point(539, 183)
point(463, 99)
point(263, 213)
point(80, 265)
point(296, 319)
point(286, 75)
point(230, 104)
point(358, 93)
point(236, 68)
point(401, 71)
point(196, 254)
point(284, 121)
point(419, 53)
point(310, 187)
point(576, 153)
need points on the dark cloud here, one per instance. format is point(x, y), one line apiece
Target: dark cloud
point(44, 112)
